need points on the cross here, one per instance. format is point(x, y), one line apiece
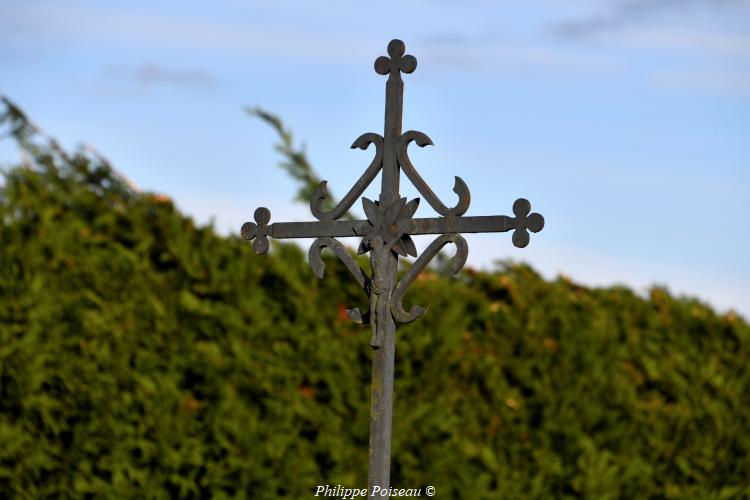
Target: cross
point(386, 235)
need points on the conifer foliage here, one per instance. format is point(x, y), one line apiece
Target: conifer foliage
point(142, 356)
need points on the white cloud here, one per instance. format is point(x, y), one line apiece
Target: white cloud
point(132, 27)
point(150, 73)
point(617, 16)
point(709, 43)
point(721, 82)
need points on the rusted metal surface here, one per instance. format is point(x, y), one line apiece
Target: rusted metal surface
point(386, 235)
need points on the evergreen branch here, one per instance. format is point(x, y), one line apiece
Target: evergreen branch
point(294, 160)
point(42, 152)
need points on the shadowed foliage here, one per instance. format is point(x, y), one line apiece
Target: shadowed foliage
point(143, 356)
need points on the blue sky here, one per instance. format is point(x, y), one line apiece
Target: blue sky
point(625, 122)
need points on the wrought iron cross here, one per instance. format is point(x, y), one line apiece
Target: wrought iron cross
point(386, 235)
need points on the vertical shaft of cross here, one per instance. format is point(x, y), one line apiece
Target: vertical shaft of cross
point(384, 266)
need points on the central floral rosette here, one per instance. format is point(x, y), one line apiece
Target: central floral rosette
point(389, 224)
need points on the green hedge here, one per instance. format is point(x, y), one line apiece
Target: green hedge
point(144, 357)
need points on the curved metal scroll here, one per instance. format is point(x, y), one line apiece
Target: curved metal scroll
point(457, 261)
point(460, 188)
point(321, 192)
point(318, 267)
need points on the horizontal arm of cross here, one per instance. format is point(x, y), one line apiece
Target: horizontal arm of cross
point(433, 225)
point(473, 224)
point(261, 230)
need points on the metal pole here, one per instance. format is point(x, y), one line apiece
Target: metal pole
point(385, 267)
point(381, 411)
